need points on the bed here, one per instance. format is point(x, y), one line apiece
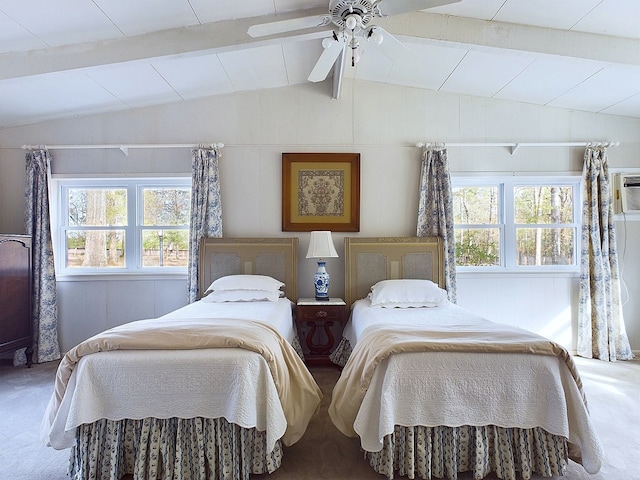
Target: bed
point(212, 390)
point(433, 390)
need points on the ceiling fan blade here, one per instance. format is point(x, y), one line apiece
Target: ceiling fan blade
point(393, 48)
point(397, 7)
point(326, 61)
point(264, 29)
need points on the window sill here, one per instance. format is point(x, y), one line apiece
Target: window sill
point(517, 274)
point(137, 276)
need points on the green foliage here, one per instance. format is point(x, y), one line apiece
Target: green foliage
point(541, 216)
point(543, 204)
point(476, 255)
point(166, 206)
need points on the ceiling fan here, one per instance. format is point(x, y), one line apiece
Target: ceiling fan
point(351, 22)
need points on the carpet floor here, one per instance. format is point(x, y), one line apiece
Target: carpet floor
point(612, 389)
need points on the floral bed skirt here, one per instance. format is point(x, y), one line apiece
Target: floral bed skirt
point(171, 449)
point(443, 452)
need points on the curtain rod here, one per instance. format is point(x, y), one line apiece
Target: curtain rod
point(513, 145)
point(516, 145)
point(123, 148)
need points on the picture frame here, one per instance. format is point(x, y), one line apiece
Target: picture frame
point(320, 191)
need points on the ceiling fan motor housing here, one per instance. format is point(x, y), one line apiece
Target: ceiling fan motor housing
point(340, 10)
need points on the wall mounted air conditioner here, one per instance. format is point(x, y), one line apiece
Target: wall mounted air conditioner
point(629, 185)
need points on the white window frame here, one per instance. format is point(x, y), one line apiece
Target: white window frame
point(133, 229)
point(507, 227)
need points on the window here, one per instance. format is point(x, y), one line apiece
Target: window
point(113, 225)
point(516, 223)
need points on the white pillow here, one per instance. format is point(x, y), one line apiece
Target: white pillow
point(246, 282)
point(220, 296)
point(407, 294)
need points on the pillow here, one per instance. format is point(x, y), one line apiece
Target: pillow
point(219, 296)
point(407, 294)
point(246, 282)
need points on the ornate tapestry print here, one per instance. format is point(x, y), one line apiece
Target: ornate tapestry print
point(321, 193)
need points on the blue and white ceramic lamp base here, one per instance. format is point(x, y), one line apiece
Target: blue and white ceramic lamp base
point(321, 282)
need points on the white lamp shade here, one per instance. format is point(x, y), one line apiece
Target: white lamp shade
point(321, 245)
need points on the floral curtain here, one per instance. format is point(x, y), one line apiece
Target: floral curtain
point(435, 210)
point(206, 208)
point(38, 224)
point(601, 331)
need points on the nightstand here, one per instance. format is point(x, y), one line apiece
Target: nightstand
point(320, 324)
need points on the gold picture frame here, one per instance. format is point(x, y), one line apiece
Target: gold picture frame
point(320, 191)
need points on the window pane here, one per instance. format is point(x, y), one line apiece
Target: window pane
point(166, 206)
point(545, 246)
point(548, 204)
point(165, 248)
point(477, 247)
point(95, 249)
point(475, 205)
point(97, 206)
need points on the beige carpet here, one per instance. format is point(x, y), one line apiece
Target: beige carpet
point(612, 389)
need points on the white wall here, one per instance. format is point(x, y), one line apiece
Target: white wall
point(382, 123)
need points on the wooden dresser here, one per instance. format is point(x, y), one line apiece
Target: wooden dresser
point(15, 294)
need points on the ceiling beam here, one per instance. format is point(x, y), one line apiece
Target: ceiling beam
point(202, 39)
point(470, 33)
point(231, 35)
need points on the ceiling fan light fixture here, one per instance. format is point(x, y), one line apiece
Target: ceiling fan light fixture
point(351, 22)
point(374, 35)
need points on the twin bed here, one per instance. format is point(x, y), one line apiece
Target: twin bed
point(429, 388)
point(432, 390)
point(212, 390)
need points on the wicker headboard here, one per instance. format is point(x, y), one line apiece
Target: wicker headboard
point(276, 257)
point(369, 260)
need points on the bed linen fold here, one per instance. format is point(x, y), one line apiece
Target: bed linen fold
point(298, 393)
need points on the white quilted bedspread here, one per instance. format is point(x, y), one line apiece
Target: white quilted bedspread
point(226, 382)
point(454, 389)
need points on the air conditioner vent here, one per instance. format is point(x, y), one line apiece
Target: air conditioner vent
point(631, 181)
point(629, 193)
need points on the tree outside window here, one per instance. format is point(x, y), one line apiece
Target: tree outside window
point(113, 225)
point(478, 225)
point(516, 223)
point(543, 222)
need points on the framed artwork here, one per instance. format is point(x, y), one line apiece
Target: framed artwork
point(320, 191)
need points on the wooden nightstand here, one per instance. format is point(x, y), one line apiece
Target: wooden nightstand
point(320, 324)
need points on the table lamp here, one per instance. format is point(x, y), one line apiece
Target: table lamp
point(321, 247)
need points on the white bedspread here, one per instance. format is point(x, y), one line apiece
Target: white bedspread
point(232, 383)
point(453, 389)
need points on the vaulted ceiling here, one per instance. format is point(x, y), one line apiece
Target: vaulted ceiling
point(67, 58)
